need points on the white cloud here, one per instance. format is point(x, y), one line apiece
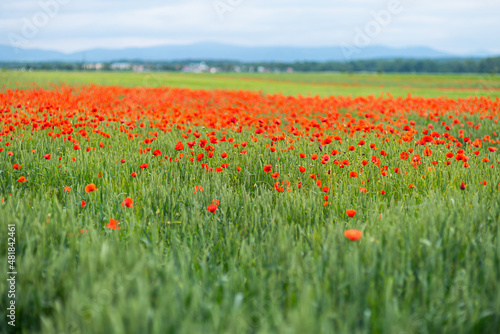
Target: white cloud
point(454, 26)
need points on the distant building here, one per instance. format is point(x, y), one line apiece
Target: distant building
point(196, 68)
point(120, 66)
point(138, 68)
point(93, 66)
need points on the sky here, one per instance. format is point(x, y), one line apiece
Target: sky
point(454, 26)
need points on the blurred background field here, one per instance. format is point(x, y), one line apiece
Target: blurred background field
point(323, 84)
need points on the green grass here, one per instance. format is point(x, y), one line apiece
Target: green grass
point(323, 84)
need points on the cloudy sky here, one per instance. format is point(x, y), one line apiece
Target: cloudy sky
point(456, 26)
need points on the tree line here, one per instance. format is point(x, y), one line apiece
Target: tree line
point(489, 65)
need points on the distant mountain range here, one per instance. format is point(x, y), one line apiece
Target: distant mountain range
point(214, 51)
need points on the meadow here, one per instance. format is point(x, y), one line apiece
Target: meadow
point(322, 84)
point(309, 203)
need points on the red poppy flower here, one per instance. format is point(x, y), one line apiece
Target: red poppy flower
point(275, 175)
point(16, 166)
point(350, 212)
point(128, 202)
point(22, 179)
point(278, 187)
point(302, 169)
point(268, 168)
point(83, 203)
point(353, 174)
point(113, 224)
point(197, 188)
point(179, 146)
point(46, 156)
point(223, 155)
point(133, 174)
point(212, 208)
point(353, 235)
point(144, 165)
point(90, 187)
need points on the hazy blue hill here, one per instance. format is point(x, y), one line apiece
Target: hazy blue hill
point(8, 53)
point(214, 51)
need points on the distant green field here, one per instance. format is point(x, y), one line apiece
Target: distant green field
point(323, 84)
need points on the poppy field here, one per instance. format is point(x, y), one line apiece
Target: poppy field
point(180, 210)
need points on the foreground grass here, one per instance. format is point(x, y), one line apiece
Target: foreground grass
point(278, 268)
point(323, 84)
